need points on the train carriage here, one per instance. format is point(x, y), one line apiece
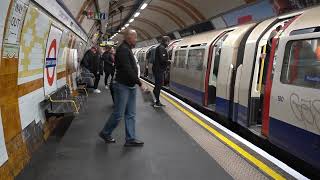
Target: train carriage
point(293, 120)
point(263, 76)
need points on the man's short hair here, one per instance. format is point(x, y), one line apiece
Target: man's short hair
point(127, 32)
point(165, 39)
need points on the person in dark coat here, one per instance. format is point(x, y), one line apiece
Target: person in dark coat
point(126, 79)
point(91, 61)
point(159, 67)
point(108, 65)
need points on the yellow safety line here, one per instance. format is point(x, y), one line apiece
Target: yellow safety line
point(265, 168)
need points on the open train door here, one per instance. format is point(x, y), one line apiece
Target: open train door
point(294, 117)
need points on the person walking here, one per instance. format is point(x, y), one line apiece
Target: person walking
point(108, 65)
point(112, 54)
point(159, 67)
point(126, 79)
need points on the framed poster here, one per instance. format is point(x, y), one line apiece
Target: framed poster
point(51, 59)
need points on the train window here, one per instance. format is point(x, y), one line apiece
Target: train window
point(181, 57)
point(195, 59)
point(175, 59)
point(217, 56)
point(301, 65)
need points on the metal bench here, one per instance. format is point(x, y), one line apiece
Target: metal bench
point(58, 103)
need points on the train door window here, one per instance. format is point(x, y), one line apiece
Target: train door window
point(175, 60)
point(301, 65)
point(217, 56)
point(181, 58)
point(195, 59)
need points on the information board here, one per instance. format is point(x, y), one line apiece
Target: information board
point(13, 30)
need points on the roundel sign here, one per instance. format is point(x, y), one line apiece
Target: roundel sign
point(51, 61)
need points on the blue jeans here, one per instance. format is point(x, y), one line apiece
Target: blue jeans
point(124, 106)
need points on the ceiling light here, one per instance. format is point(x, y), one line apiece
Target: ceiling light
point(144, 6)
point(126, 25)
point(136, 14)
point(131, 20)
point(122, 28)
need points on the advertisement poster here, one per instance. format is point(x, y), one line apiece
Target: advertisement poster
point(51, 59)
point(3, 150)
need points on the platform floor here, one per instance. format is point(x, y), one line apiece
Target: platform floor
point(169, 152)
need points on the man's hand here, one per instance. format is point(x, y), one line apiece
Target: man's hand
point(144, 88)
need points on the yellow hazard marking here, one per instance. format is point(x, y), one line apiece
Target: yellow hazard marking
point(262, 166)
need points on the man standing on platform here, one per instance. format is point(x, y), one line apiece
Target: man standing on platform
point(159, 67)
point(126, 78)
point(91, 61)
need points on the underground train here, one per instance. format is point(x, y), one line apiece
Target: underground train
point(264, 76)
point(144, 56)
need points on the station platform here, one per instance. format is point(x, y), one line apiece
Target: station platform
point(176, 147)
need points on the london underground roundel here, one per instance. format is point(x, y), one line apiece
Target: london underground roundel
point(51, 61)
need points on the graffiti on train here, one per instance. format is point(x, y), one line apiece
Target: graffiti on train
point(306, 110)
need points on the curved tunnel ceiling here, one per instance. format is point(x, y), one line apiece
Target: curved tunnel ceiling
point(161, 16)
point(164, 16)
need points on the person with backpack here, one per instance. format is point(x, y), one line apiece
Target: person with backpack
point(159, 67)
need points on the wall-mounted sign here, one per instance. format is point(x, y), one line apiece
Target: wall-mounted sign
point(13, 30)
point(50, 64)
point(96, 15)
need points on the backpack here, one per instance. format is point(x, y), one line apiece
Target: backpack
point(153, 54)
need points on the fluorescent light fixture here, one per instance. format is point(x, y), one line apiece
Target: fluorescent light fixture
point(144, 6)
point(126, 25)
point(136, 14)
point(131, 20)
point(119, 30)
point(122, 28)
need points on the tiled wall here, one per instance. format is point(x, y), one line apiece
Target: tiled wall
point(23, 126)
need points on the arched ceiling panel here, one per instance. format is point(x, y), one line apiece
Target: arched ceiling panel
point(163, 20)
point(180, 9)
point(74, 6)
point(211, 8)
point(149, 29)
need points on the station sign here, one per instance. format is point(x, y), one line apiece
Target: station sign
point(96, 15)
point(51, 59)
point(11, 39)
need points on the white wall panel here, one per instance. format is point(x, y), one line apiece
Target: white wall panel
point(29, 107)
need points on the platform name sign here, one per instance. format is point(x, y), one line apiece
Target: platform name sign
point(51, 59)
point(13, 29)
point(96, 15)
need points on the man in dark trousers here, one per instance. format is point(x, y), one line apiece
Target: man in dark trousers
point(108, 64)
point(91, 61)
point(126, 79)
point(159, 67)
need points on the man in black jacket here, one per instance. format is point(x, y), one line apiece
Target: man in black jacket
point(159, 67)
point(91, 61)
point(108, 64)
point(126, 78)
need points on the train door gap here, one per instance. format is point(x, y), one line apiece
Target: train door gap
point(257, 93)
point(215, 50)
